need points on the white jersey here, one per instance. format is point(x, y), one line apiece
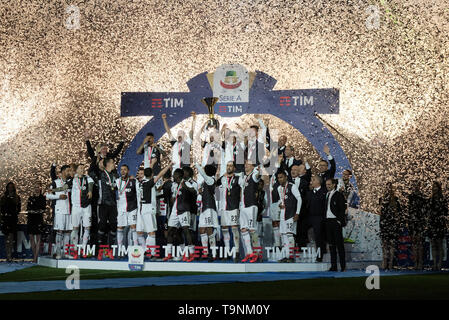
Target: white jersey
point(121, 192)
point(78, 186)
point(208, 148)
point(180, 152)
point(175, 188)
point(140, 195)
point(61, 206)
point(150, 153)
point(228, 154)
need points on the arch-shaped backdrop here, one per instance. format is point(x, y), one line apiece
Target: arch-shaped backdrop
point(296, 107)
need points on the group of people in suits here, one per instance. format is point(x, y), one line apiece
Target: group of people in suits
point(324, 207)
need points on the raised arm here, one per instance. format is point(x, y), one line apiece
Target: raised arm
point(256, 173)
point(308, 174)
point(90, 150)
point(163, 171)
point(262, 137)
point(198, 136)
point(331, 160)
point(209, 180)
point(141, 147)
point(161, 151)
point(53, 174)
point(167, 128)
point(333, 166)
point(222, 132)
point(119, 148)
point(192, 129)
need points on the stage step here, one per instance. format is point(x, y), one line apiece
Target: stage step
point(201, 266)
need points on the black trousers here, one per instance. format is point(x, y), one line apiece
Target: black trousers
point(334, 235)
point(108, 222)
point(94, 223)
point(316, 223)
point(301, 235)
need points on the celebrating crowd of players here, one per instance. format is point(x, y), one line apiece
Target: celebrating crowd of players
point(227, 195)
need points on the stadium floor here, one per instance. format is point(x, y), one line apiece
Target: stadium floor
point(52, 285)
point(6, 267)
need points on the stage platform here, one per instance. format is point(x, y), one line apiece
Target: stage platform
point(202, 266)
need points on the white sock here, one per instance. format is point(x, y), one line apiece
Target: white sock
point(141, 241)
point(212, 241)
point(191, 250)
point(182, 246)
point(255, 240)
point(130, 236)
point(134, 237)
point(247, 241)
point(66, 241)
point(291, 245)
point(169, 249)
point(119, 237)
point(277, 237)
point(226, 237)
point(285, 244)
point(74, 237)
point(86, 237)
point(151, 241)
point(236, 236)
point(204, 240)
point(59, 242)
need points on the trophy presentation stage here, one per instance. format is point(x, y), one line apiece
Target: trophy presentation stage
point(365, 251)
point(202, 266)
point(234, 91)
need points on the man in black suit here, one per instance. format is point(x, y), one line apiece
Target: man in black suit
point(326, 172)
point(301, 176)
point(334, 222)
point(289, 161)
point(282, 144)
point(316, 209)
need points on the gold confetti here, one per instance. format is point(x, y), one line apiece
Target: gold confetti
point(59, 78)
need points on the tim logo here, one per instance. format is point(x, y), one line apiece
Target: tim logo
point(167, 103)
point(287, 101)
point(232, 108)
point(156, 103)
point(284, 101)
